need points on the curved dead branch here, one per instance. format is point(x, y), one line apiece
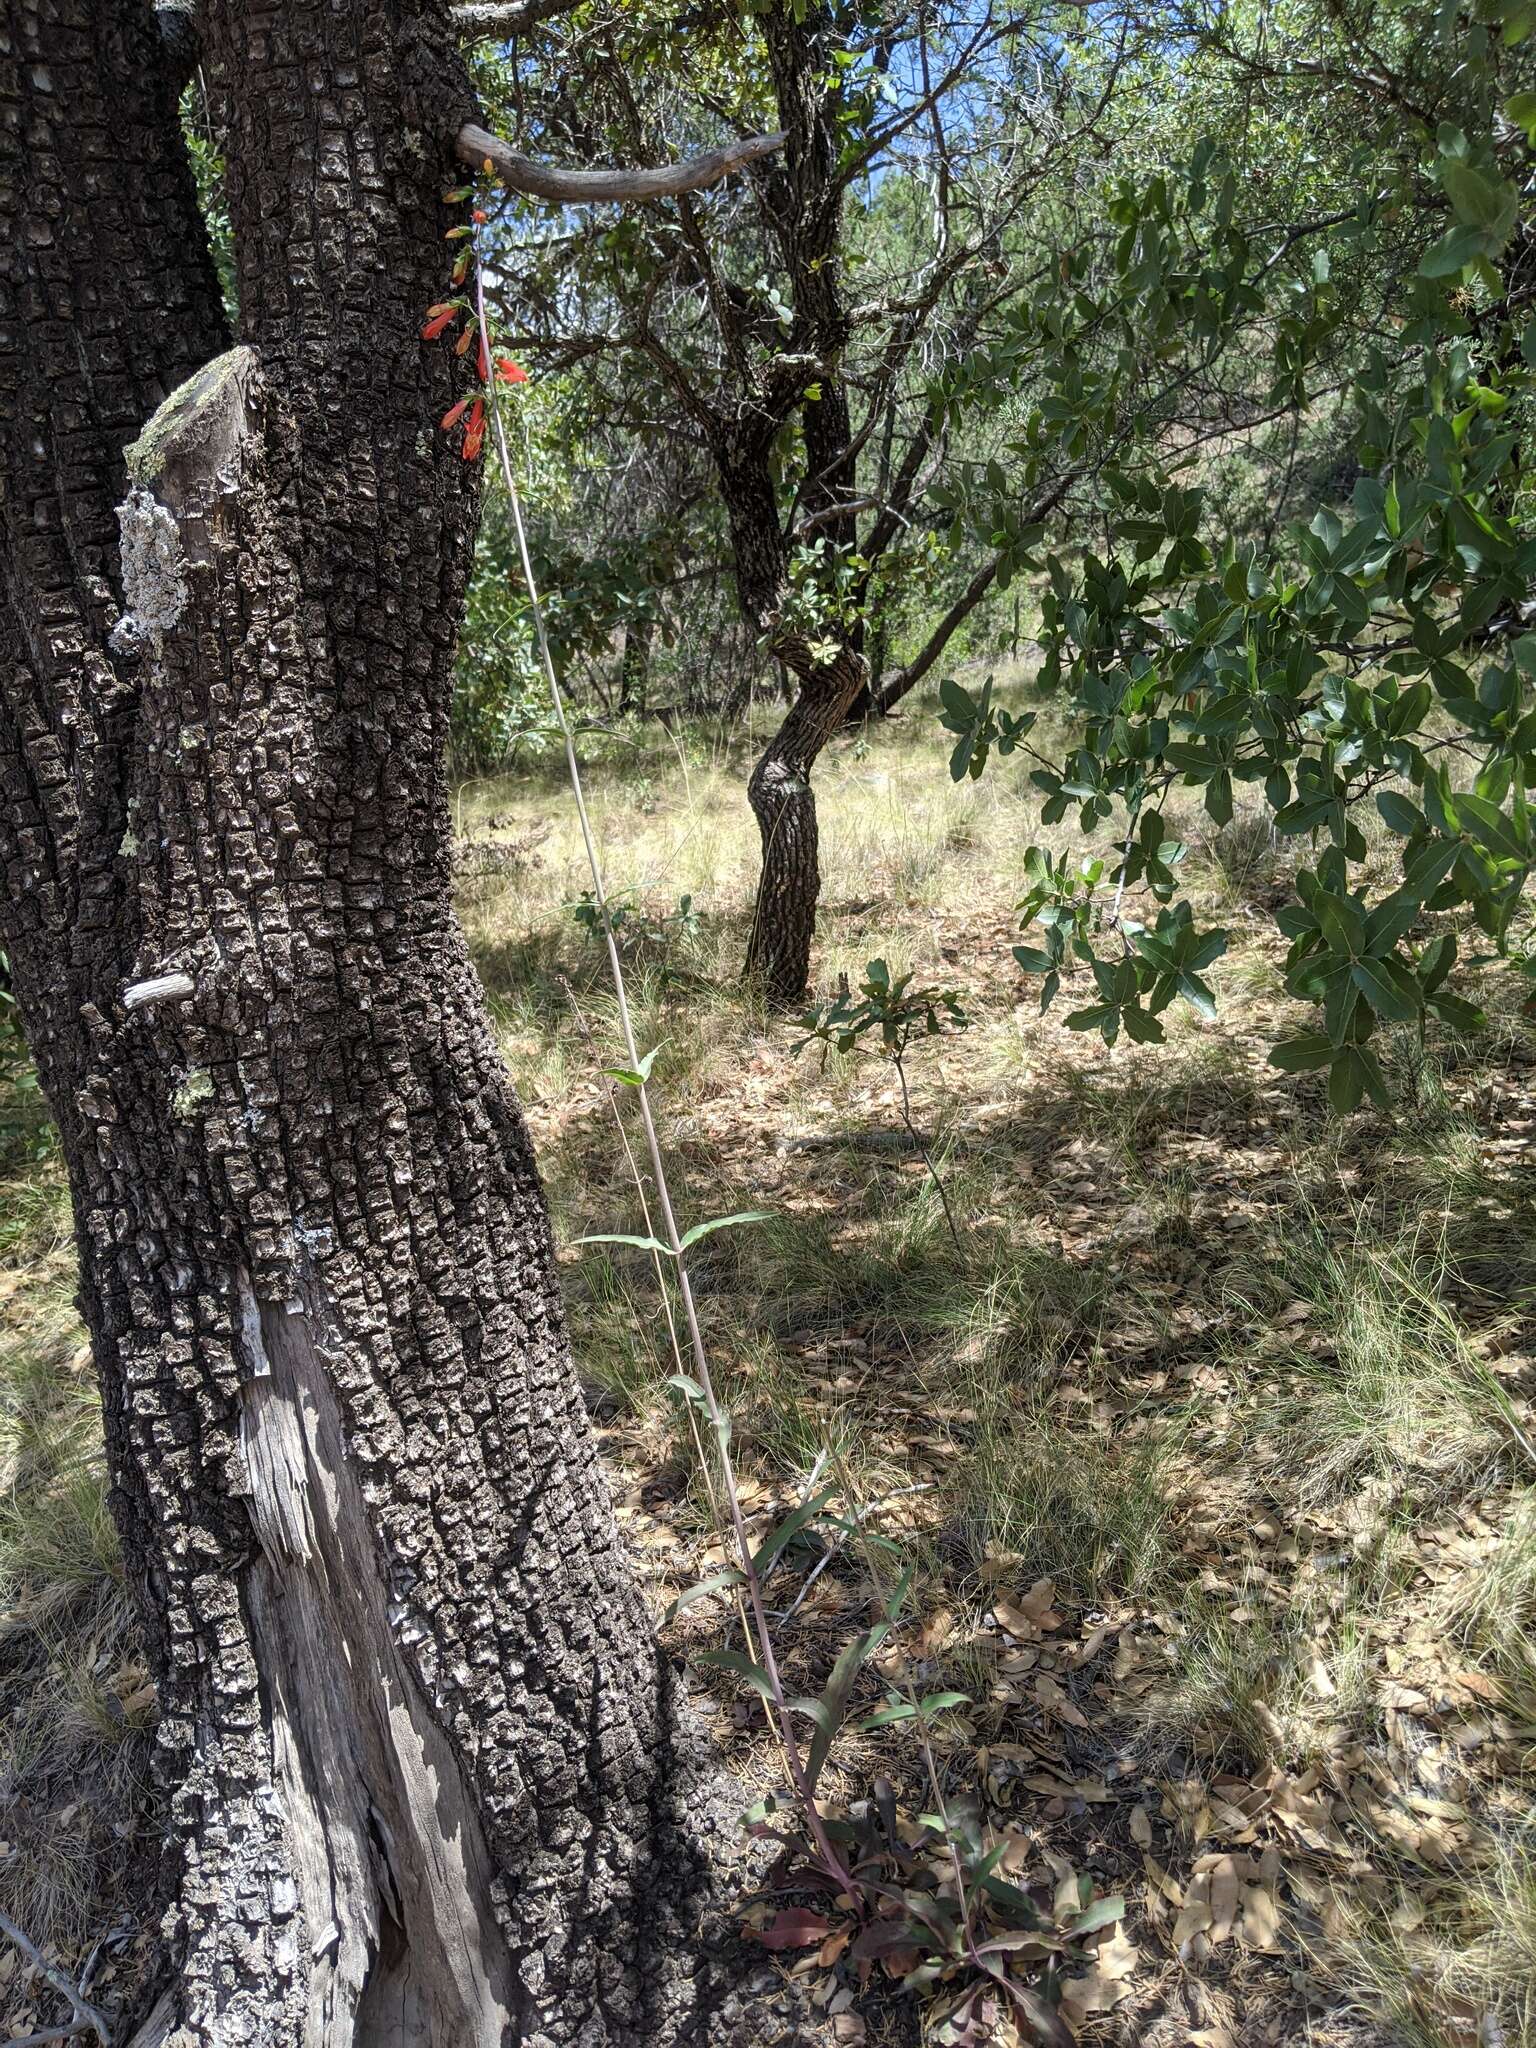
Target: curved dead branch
point(476, 146)
point(499, 18)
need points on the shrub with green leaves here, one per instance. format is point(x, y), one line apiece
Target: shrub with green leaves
point(889, 1011)
point(1381, 656)
point(886, 1007)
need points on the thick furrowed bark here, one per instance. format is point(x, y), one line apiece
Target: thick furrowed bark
point(435, 1783)
point(427, 1779)
point(107, 301)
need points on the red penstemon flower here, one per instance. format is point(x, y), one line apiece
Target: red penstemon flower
point(497, 369)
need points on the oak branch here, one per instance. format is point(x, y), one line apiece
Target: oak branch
point(477, 146)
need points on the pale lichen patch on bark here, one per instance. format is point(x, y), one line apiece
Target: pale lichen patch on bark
point(154, 585)
point(191, 1093)
point(193, 439)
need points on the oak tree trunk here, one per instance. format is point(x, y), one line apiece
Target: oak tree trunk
point(784, 804)
point(779, 789)
point(427, 1779)
point(803, 201)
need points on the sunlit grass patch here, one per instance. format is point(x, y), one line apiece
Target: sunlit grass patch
point(35, 1219)
point(1249, 1682)
point(1454, 1968)
point(78, 1702)
point(787, 1421)
point(619, 1332)
point(1491, 1608)
point(1362, 1370)
point(74, 1758)
point(894, 1272)
point(58, 1544)
point(898, 840)
point(1242, 862)
point(1092, 1514)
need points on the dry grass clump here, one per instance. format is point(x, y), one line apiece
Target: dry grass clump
point(78, 1702)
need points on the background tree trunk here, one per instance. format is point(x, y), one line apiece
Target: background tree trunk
point(803, 201)
point(784, 804)
point(427, 1778)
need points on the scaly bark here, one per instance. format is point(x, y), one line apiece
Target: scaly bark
point(779, 788)
point(109, 301)
point(784, 804)
point(427, 1778)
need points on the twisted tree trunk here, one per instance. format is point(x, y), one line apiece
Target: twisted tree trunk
point(803, 203)
point(779, 788)
point(784, 804)
point(427, 1778)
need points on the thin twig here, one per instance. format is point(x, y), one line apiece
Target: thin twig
point(88, 2018)
point(916, 1136)
point(794, 1762)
